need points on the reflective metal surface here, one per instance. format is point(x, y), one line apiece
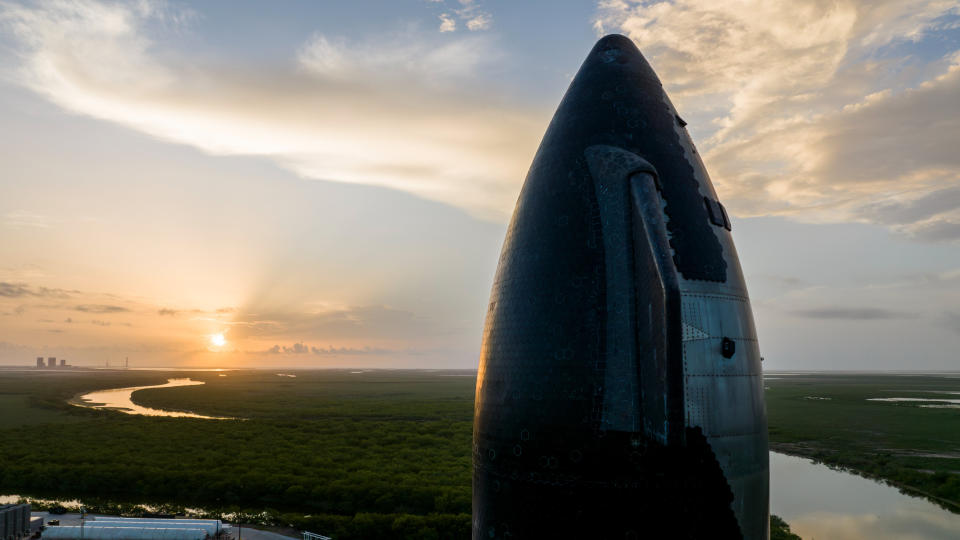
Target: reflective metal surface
point(619, 392)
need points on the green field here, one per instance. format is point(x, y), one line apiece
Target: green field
point(383, 454)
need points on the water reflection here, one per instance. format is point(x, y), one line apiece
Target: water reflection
point(821, 503)
point(120, 399)
point(913, 399)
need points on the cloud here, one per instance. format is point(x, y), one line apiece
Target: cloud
point(357, 322)
point(296, 348)
point(931, 216)
point(300, 348)
point(911, 210)
point(100, 308)
point(400, 58)
point(94, 303)
point(784, 282)
point(776, 91)
point(337, 351)
point(937, 229)
point(447, 23)
point(854, 314)
point(470, 14)
point(14, 290)
point(404, 111)
point(480, 21)
point(342, 330)
point(20, 290)
point(22, 219)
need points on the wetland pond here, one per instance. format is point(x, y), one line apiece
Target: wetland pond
point(121, 399)
point(821, 503)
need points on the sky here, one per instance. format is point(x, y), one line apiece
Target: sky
point(328, 184)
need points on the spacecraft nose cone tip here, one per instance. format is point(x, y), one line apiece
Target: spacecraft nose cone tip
point(619, 51)
point(616, 40)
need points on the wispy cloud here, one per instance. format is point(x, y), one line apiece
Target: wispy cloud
point(784, 282)
point(315, 328)
point(447, 23)
point(337, 351)
point(404, 111)
point(23, 219)
point(469, 12)
point(479, 21)
point(296, 348)
point(855, 314)
point(300, 348)
point(348, 323)
point(777, 91)
point(14, 290)
point(20, 290)
point(101, 308)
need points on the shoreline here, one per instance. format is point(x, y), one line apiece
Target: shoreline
point(790, 449)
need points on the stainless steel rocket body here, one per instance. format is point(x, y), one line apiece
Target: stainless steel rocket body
point(620, 392)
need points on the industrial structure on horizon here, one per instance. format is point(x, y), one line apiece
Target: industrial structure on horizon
point(51, 363)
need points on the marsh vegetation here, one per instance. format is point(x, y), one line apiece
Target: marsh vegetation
point(383, 454)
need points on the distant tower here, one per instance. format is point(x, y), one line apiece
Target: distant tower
point(63, 362)
point(52, 362)
point(40, 362)
point(126, 362)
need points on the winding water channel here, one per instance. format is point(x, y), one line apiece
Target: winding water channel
point(121, 399)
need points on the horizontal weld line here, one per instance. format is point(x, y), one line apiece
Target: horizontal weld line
point(688, 375)
point(720, 296)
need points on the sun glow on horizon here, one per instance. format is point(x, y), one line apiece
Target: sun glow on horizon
point(218, 340)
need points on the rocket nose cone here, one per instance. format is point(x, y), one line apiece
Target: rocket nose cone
point(620, 50)
point(616, 99)
point(614, 94)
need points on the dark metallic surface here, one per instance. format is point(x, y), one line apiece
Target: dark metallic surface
point(606, 406)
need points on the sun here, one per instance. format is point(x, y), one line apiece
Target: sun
point(218, 340)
